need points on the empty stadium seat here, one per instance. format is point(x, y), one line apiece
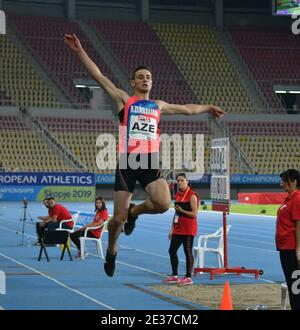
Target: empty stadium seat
point(23, 150)
point(272, 57)
point(20, 85)
point(136, 44)
point(54, 56)
point(201, 59)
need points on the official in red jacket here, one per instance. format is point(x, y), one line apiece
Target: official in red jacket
point(100, 216)
point(288, 234)
point(56, 213)
point(184, 229)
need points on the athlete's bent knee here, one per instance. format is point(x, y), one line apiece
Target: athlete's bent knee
point(119, 218)
point(162, 207)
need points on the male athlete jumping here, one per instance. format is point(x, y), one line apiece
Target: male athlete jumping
point(139, 143)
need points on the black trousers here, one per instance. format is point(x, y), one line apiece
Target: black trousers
point(75, 237)
point(176, 242)
point(51, 226)
point(289, 264)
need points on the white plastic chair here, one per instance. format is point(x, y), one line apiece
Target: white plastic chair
point(74, 219)
point(200, 249)
point(98, 241)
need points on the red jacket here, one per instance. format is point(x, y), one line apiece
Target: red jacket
point(99, 215)
point(287, 215)
point(61, 213)
point(186, 225)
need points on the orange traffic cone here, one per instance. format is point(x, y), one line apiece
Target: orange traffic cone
point(226, 303)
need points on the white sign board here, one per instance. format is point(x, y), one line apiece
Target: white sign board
point(220, 170)
point(2, 282)
point(2, 22)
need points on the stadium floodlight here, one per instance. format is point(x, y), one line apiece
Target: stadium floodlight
point(2, 22)
point(287, 92)
point(86, 86)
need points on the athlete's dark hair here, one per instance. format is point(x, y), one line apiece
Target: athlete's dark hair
point(101, 199)
point(291, 175)
point(140, 67)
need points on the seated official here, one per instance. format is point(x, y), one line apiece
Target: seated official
point(45, 202)
point(100, 216)
point(56, 213)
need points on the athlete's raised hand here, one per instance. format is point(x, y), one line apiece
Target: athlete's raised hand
point(118, 95)
point(73, 42)
point(216, 111)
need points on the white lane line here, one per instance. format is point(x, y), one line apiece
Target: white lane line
point(231, 244)
point(242, 214)
point(14, 231)
point(96, 255)
point(233, 237)
point(202, 226)
point(238, 226)
point(141, 268)
point(250, 240)
point(208, 226)
point(58, 282)
point(241, 227)
point(162, 256)
point(183, 260)
point(153, 232)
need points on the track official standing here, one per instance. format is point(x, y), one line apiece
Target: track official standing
point(288, 234)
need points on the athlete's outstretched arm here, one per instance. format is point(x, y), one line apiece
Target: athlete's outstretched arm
point(118, 95)
point(189, 109)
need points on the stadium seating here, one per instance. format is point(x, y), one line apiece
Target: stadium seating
point(201, 59)
point(271, 56)
point(268, 145)
point(48, 48)
point(80, 136)
point(271, 154)
point(22, 150)
point(20, 85)
point(188, 66)
point(271, 147)
point(4, 100)
point(135, 44)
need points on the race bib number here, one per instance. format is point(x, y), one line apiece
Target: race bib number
point(142, 128)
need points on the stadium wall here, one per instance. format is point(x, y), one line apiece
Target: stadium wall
point(203, 190)
point(129, 11)
point(96, 114)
